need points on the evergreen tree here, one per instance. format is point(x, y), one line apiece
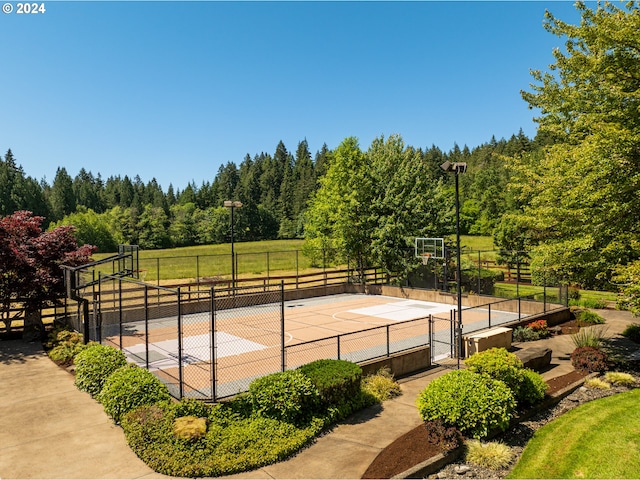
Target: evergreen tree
point(62, 200)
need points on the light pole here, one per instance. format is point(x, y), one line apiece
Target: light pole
point(457, 168)
point(232, 205)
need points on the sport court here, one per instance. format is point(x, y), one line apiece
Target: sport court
point(247, 342)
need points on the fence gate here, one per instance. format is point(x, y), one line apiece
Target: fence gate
point(443, 339)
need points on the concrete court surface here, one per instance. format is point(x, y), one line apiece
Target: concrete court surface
point(49, 429)
point(248, 340)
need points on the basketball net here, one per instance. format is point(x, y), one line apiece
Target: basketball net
point(425, 258)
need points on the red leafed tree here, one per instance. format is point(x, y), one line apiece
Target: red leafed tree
point(30, 266)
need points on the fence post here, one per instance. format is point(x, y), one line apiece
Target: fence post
point(180, 382)
point(519, 314)
point(213, 343)
point(198, 270)
point(146, 324)
point(297, 271)
point(388, 346)
point(120, 312)
point(479, 272)
point(85, 320)
point(268, 267)
point(158, 270)
point(284, 366)
point(489, 315)
point(338, 337)
point(544, 290)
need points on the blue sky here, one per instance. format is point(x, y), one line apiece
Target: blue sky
point(172, 90)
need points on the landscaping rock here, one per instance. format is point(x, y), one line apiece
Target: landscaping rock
point(535, 358)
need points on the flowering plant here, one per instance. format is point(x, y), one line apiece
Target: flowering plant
point(538, 326)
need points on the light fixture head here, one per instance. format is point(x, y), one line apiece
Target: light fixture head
point(456, 167)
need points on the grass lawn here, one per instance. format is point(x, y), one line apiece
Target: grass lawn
point(600, 439)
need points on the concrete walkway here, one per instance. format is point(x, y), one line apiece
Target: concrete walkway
point(50, 429)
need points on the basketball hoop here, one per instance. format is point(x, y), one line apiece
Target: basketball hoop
point(425, 258)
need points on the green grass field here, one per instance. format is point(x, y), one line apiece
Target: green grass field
point(596, 440)
point(214, 261)
point(283, 257)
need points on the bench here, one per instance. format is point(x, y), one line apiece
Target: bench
point(499, 337)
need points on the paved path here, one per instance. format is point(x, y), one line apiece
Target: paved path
point(50, 429)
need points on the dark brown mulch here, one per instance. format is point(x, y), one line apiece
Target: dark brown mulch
point(413, 448)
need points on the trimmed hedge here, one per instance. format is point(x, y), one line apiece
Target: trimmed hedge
point(94, 365)
point(473, 403)
point(336, 380)
point(130, 387)
point(289, 396)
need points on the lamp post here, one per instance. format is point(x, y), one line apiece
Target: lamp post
point(232, 205)
point(457, 168)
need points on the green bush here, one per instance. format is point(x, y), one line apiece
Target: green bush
point(473, 403)
point(525, 334)
point(587, 317)
point(230, 445)
point(288, 396)
point(94, 364)
point(336, 380)
point(498, 364)
point(130, 387)
point(588, 303)
point(532, 389)
point(527, 386)
point(589, 360)
point(632, 332)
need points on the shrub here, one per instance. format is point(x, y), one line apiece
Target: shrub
point(573, 293)
point(65, 345)
point(473, 403)
point(288, 396)
point(597, 383)
point(632, 332)
point(527, 386)
point(539, 326)
point(336, 380)
point(94, 364)
point(587, 317)
point(619, 378)
point(130, 387)
point(588, 303)
point(190, 428)
point(589, 360)
point(499, 364)
point(381, 385)
point(525, 334)
point(532, 388)
point(191, 407)
point(589, 337)
point(492, 455)
point(445, 437)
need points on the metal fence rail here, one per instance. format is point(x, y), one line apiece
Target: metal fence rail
point(210, 343)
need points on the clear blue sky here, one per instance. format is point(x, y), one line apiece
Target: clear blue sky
point(172, 90)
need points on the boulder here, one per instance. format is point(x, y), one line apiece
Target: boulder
point(535, 358)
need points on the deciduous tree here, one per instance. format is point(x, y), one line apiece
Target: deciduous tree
point(581, 199)
point(30, 265)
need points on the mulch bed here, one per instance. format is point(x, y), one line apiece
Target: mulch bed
point(413, 448)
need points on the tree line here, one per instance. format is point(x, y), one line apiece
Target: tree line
point(275, 190)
